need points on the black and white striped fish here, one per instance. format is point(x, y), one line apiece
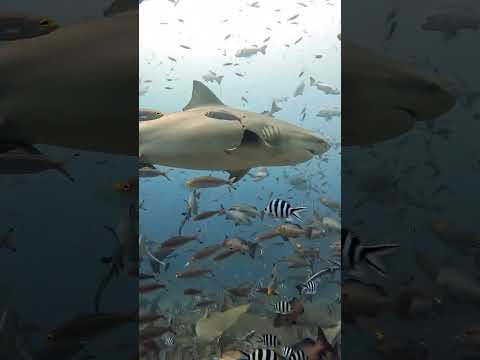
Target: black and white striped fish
point(287, 351)
point(283, 307)
point(282, 209)
point(170, 340)
point(309, 288)
point(355, 254)
point(262, 354)
point(269, 340)
point(298, 355)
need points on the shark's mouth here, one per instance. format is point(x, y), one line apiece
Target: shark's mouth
point(313, 152)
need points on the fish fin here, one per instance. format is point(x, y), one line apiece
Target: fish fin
point(297, 210)
point(263, 49)
point(237, 175)
point(201, 95)
point(372, 255)
point(252, 250)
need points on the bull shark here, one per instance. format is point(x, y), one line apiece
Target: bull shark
point(71, 88)
point(382, 98)
point(208, 135)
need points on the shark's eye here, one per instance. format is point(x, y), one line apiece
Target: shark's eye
point(50, 337)
point(126, 187)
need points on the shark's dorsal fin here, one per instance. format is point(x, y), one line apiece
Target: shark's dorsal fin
point(201, 95)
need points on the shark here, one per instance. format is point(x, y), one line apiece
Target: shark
point(383, 98)
point(209, 135)
point(76, 87)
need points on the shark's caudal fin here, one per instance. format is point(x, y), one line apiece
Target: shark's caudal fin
point(373, 254)
point(262, 49)
point(201, 95)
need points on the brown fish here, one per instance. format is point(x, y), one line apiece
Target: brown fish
point(203, 182)
point(239, 244)
point(206, 252)
point(225, 255)
point(87, 327)
point(208, 214)
point(154, 332)
point(192, 291)
point(151, 287)
point(241, 291)
point(146, 318)
point(192, 273)
point(267, 236)
point(179, 240)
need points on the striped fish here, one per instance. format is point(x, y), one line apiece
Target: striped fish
point(287, 351)
point(282, 209)
point(262, 354)
point(283, 307)
point(298, 355)
point(355, 254)
point(309, 288)
point(269, 340)
point(170, 340)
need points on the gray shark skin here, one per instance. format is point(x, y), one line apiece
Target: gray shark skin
point(72, 87)
point(383, 98)
point(231, 139)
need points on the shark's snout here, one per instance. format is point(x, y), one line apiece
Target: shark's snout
point(433, 101)
point(317, 145)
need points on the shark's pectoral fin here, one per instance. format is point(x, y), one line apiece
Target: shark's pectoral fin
point(201, 96)
point(236, 175)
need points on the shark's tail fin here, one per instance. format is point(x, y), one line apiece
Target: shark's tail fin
point(373, 254)
point(296, 211)
point(263, 49)
point(219, 79)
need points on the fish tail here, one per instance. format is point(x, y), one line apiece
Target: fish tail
point(262, 215)
point(372, 255)
point(299, 288)
point(297, 210)
point(253, 250)
point(263, 49)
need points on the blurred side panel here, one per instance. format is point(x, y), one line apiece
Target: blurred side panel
point(409, 177)
point(68, 177)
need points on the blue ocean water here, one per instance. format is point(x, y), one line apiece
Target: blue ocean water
point(204, 26)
